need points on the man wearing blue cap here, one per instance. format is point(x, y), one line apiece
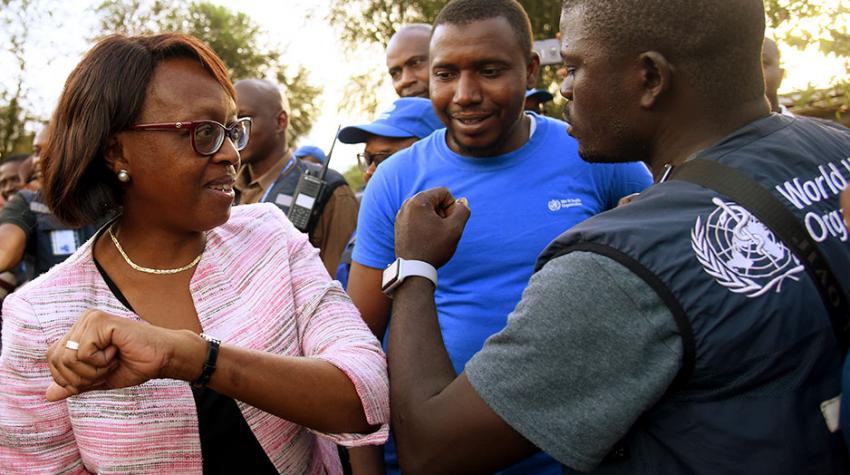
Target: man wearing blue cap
point(521, 170)
point(535, 98)
point(310, 153)
point(407, 121)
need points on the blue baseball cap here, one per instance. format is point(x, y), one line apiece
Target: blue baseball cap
point(407, 117)
point(311, 150)
point(539, 94)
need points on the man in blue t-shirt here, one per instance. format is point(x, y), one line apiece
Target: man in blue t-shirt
point(520, 170)
point(408, 120)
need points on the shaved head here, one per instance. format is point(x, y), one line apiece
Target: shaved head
point(407, 60)
point(267, 94)
point(770, 49)
point(412, 29)
point(716, 44)
point(268, 108)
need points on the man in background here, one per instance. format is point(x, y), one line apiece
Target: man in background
point(10, 183)
point(310, 153)
point(39, 144)
point(29, 232)
point(10, 180)
point(773, 75)
point(270, 172)
point(407, 60)
point(535, 98)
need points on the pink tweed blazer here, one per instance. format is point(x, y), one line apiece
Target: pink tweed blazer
point(259, 285)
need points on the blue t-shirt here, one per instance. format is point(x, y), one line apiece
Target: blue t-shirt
point(520, 201)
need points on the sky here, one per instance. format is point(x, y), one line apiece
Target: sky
point(299, 27)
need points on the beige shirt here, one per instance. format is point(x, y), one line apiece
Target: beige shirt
point(250, 188)
point(335, 225)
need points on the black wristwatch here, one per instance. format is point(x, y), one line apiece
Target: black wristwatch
point(213, 345)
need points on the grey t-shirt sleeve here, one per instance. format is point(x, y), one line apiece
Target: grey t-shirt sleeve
point(588, 349)
point(17, 211)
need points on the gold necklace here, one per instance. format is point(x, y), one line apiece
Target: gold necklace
point(149, 270)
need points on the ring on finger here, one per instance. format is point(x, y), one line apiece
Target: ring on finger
point(72, 345)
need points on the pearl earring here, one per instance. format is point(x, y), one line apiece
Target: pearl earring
point(123, 176)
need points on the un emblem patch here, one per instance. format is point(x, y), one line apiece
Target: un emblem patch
point(741, 253)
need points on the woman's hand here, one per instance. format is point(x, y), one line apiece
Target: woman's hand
point(113, 352)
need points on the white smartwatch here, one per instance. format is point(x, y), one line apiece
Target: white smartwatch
point(401, 269)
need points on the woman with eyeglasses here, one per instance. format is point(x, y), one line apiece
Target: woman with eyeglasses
point(186, 336)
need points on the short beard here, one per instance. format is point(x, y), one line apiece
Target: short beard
point(593, 157)
point(477, 152)
point(625, 146)
point(630, 151)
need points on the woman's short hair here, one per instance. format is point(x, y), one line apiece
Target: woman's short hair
point(103, 96)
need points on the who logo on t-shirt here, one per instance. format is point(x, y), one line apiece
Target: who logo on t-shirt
point(556, 205)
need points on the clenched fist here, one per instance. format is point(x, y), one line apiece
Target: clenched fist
point(429, 226)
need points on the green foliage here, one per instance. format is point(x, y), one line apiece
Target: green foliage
point(234, 36)
point(829, 30)
point(354, 177)
point(134, 17)
point(800, 23)
point(359, 93)
point(17, 18)
point(375, 21)
point(302, 97)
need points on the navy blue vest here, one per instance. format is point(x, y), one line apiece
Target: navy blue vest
point(52, 241)
point(281, 192)
point(760, 357)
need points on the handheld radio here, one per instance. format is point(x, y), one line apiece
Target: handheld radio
point(307, 193)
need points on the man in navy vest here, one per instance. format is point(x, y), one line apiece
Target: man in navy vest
point(673, 335)
point(270, 172)
point(522, 167)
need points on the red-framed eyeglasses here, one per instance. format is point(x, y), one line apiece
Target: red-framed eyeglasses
point(207, 135)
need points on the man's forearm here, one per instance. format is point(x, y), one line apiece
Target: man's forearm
point(419, 364)
point(10, 256)
point(13, 242)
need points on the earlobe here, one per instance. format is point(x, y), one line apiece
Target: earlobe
point(282, 121)
point(532, 70)
point(656, 78)
point(114, 156)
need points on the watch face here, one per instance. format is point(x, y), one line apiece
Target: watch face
point(390, 274)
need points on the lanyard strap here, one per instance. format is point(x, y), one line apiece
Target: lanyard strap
point(283, 171)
